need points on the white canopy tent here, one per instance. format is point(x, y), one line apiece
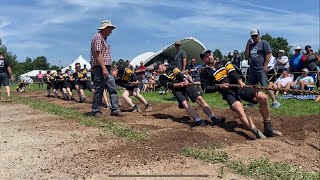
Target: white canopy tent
point(33, 73)
point(80, 60)
point(192, 46)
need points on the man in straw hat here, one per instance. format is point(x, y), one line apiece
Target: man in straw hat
point(102, 70)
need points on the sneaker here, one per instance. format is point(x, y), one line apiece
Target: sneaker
point(217, 120)
point(136, 109)
point(148, 108)
point(201, 123)
point(258, 134)
point(276, 104)
point(84, 100)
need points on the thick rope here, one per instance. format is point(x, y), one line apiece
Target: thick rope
point(276, 89)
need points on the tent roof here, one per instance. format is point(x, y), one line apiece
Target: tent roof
point(80, 60)
point(192, 46)
point(33, 73)
point(142, 57)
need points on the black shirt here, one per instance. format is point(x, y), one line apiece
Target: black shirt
point(4, 66)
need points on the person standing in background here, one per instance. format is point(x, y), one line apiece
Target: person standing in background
point(40, 79)
point(180, 58)
point(259, 52)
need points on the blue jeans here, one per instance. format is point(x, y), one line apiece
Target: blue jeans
point(100, 83)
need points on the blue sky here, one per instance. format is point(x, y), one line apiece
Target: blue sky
point(62, 29)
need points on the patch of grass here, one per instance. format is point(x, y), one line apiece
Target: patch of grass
point(260, 168)
point(68, 113)
point(264, 169)
point(210, 154)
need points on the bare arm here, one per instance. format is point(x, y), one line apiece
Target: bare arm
point(246, 51)
point(10, 72)
point(266, 62)
point(184, 64)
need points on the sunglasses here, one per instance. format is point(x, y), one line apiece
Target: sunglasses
point(77, 67)
point(254, 36)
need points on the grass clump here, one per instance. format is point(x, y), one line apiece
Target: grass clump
point(210, 154)
point(67, 113)
point(259, 169)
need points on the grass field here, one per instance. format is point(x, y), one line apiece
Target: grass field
point(290, 107)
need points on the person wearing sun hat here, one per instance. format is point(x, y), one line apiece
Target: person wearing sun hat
point(282, 61)
point(101, 64)
point(296, 62)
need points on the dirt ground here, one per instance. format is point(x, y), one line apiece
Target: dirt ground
point(37, 145)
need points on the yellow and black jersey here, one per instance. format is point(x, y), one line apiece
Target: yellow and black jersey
point(125, 76)
point(223, 72)
point(47, 78)
point(81, 75)
point(172, 75)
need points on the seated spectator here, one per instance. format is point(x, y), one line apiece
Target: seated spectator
point(282, 81)
point(271, 69)
point(296, 62)
point(302, 82)
point(192, 68)
point(311, 59)
point(282, 62)
point(140, 69)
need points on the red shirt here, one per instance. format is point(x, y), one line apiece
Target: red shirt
point(141, 70)
point(99, 44)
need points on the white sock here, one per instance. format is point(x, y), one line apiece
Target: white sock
point(211, 116)
point(198, 119)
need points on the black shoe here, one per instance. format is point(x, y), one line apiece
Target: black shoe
point(94, 114)
point(201, 123)
point(269, 131)
point(116, 113)
point(84, 100)
point(81, 100)
point(216, 120)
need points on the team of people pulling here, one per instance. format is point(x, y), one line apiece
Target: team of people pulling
point(215, 77)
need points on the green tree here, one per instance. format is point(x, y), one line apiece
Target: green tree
point(217, 54)
point(54, 67)
point(12, 58)
point(40, 63)
point(277, 43)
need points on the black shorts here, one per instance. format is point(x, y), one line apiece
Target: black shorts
point(58, 85)
point(139, 86)
point(245, 94)
point(189, 92)
point(68, 84)
point(84, 85)
point(4, 79)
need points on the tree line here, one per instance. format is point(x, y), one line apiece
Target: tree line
point(38, 63)
point(41, 62)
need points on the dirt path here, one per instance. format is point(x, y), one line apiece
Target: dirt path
point(37, 145)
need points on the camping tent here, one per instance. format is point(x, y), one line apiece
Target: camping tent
point(192, 46)
point(80, 60)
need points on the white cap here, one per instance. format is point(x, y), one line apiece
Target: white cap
point(298, 48)
point(254, 32)
point(281, 51)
